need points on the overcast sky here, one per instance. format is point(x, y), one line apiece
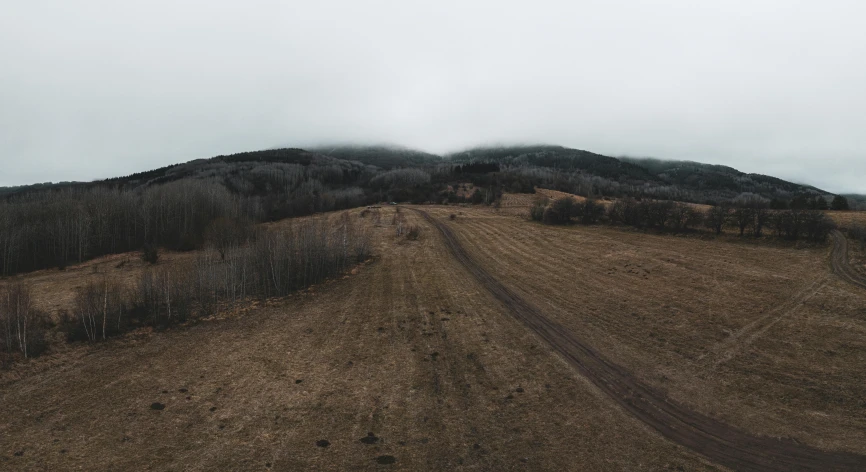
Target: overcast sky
point(92, 89)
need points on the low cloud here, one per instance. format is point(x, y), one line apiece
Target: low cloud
point(101, 88)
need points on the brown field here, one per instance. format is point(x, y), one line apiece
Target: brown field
point(518, 203)
point(414, 349)
point(554, 194)
point(55, 289)
point(846, 218)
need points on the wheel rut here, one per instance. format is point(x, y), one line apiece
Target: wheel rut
point(839, 261)
point(717, 441)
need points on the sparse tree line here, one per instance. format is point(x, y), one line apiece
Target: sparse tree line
point(267, 263)
point(748, 215)
point(271, 263)
point(54, 228)
point(521, 177)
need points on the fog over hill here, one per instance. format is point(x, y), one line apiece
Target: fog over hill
point(518, 168)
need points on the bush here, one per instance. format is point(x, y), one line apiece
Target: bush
point(812, 225)
point(413, 232)
point(536, 212)
point(589, 212)
point(715, 218)
point(149, 253)
point(681, 217)
point(452, 217)
point(858, 232)
point(840, 203)
point(560, 211)
point(620, 211)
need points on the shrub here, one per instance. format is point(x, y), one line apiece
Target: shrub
point(149, 253)
point(812, 225)
point(589, 212)
point(536, 212)
point(715, 218)
point(681, 217)
point(560, 211)
point(817, 226)
point(839, 203)
point(413, 232)
point(858, 232)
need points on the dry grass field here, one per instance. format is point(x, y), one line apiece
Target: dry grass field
point(762, 337)
point(846, 218)
point(518, 203)
point(55, 289)
point(412, 364)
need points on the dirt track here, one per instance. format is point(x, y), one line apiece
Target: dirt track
point(713, 439)
point(839, 261)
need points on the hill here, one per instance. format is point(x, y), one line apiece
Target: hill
point(386, 157)
point(52, 225)
point(719, 178)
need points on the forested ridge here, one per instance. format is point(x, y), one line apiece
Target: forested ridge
point(178, 206)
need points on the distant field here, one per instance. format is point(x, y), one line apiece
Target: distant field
point(412, 349)
point(846, 218)
point(54, 290)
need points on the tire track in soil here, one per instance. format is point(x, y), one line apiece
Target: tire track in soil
point(839, 261)
point(719, 442)
point(728, 349)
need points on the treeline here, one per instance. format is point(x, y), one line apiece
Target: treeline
point(665, 215)
point(54, 228)
point(178, 206)
point(593, 175)
point(269, 263)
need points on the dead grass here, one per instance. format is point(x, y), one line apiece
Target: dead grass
point(409, 349)
point(412, 349)
point(846, 218)
point(54, 290)
point(762, 336)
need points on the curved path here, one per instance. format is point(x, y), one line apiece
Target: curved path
point(719, 442)
point(839, 261)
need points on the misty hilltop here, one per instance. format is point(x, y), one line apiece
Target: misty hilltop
point(398, 173)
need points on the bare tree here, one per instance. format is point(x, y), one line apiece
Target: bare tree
point(716, 217)
point(682, 216)
point(743, 217)
point(22, 327)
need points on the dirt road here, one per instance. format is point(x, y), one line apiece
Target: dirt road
point(705, 435)
point(839, 261)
